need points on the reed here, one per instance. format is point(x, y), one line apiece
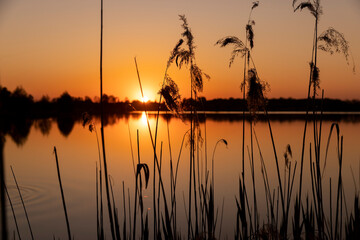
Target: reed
point(124, 208)
point(23, 204)
point(201, 194)
point(4, 233)
point(97, 204)
point(13, 213)
point(87, 122)
point(269, 202)
point(110, 211)
point(330, 41)
point(187, 57)
point(169, 231)
point(116, 217)
point(62, 195)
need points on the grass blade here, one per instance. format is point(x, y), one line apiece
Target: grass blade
point(62, 195)
point(23, 204)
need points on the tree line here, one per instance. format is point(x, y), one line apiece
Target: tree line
point(20, 103)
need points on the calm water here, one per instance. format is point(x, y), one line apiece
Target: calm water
point(29, 150)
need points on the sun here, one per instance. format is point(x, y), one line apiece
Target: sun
point(144, 99)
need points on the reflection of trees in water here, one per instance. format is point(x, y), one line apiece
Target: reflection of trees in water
point(65, 125)
point(110, 119)
point(44, 125)
point(19, 130)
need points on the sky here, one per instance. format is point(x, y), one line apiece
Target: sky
point(50, 46)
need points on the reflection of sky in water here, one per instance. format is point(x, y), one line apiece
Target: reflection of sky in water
point(35, 168)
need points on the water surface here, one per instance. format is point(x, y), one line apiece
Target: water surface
point(30, 143)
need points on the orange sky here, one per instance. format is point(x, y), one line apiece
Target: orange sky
point(49, 47)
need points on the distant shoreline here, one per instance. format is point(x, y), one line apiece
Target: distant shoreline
point(19, 103)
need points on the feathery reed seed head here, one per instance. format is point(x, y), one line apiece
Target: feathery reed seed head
point(175, 51)
point(255, 92)
point(315, 78)
point(239, 47)
point(287, 156)
point(313, 6)
point(332, 41)
point(255, 4)
point(170, 93)
point(250, 33)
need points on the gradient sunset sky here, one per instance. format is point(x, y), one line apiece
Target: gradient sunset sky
point(51, 46)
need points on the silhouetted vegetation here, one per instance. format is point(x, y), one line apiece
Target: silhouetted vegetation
point(20, 104)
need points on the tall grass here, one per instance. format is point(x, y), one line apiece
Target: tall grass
point(241, 48)
point(23, 204)
point(187, 57)
point(106, 176)
point(13, 212)
point(62, 195)
point(330, 41)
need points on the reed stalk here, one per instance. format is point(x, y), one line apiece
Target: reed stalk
point(4, 233)
point(13, 212)
point(23, 204)
point(116, 218)
point(154, 148)
point(136, 186)
point(99, 195)
point(256, 224)
point(170, 60)
point(159, 219)
point(277, 163)
point(129, 208)
point(62, 195)
point(266, 184)
point(97, 204)
point(313, 59)
point(124, 208)
point(111, 220)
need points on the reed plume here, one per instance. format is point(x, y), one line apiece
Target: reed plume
point(256, 90)
point(170, 93)
point(62, 195)
point(330, 41)
point(238, 47)
point(186, 56)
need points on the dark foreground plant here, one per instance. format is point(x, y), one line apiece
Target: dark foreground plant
point(62, 195)
point(2, 190)
point(330, 41)
point(106, 176)
point(23, 204)
point(187, 57)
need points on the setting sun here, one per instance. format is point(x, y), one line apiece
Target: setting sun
point(145, 99)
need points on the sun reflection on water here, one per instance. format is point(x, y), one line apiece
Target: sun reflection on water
point(143, 118)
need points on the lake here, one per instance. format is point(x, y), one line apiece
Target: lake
point(29, 149)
